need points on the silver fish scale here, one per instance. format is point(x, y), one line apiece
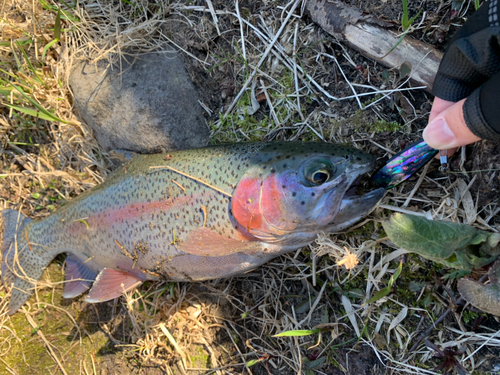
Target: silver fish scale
point(170, 216)
point(150, 239)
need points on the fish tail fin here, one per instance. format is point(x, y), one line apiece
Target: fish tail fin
point(11, 222)
point(23, 263)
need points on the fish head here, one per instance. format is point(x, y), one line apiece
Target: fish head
point(292, 191)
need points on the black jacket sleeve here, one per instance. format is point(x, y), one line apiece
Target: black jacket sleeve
point(471, 69)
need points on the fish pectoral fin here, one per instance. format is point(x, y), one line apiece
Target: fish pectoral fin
point(205, 242)
point(79, 277)
point(110, 284)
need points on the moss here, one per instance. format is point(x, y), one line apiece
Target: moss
point(30, 356)
point(199, 358)
point(240, 125)
point(364, 121)
point(468, 315)
point(380, 126)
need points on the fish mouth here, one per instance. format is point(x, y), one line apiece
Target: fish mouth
point(356, 202)
point(355, 186)
point(354, 208)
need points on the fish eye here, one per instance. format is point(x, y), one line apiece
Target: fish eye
point(320, 177)
point(319, 172)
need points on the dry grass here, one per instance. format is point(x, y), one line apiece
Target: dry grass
point(279, 77)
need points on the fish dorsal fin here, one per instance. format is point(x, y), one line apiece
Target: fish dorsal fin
point(205, 242)
point(110, 284)
point(79, 277)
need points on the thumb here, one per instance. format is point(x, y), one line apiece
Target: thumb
point(448, 129)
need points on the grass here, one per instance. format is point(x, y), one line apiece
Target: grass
point(229, 325)
point(406, 24)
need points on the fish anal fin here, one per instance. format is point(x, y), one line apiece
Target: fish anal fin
point(110, 284)
point(79, 277)
point(205, 242)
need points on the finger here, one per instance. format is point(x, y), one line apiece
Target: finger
point(448, 129)
point(438, 106)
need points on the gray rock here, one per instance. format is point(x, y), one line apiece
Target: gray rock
point(152, 106)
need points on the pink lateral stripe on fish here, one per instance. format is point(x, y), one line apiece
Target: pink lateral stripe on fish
point(177, 223)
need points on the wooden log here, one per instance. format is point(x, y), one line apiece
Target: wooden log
point(371, 37)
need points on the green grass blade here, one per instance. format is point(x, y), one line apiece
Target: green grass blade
point(31, 67)
point(379, 295)
point(254, 362)
point(404, 17)
point(64, 15)
point(9, 74)
point(18, 62)
point(20, 42)
point(38, 106)
point(46, 48)
point(397, 44)
point(384, 292)
point(396, 274)
point(305, 332)
point(414, 18)
point(33, 112)
point(57, 26)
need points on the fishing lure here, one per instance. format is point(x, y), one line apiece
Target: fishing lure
point(406, 163)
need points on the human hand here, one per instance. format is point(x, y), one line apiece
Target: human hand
point(447, 129)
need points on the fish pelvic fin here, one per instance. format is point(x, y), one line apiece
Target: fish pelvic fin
point(110, 284)
point(79, 277)
point(23, 263)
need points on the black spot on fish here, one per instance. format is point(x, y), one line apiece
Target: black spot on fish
point(273, 170)
point(283, 186)
point(294, 194)
point(302, 203)
point(313, 194)
point(284, 165)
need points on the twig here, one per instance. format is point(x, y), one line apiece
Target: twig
point(296, 78)
point(182, 187)
point(417, 185)
point(243, 49)
point(263, 58)
point(400, 209)
point(214, 15)
point(345, 77)
point(439, 320)
point(271, 108)
point(175, 345)
point(194, 178)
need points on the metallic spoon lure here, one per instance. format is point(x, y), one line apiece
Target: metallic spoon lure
point(406, 163)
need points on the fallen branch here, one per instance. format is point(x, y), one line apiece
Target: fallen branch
point(367, 35)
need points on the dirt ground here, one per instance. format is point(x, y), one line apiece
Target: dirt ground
point(228, 326)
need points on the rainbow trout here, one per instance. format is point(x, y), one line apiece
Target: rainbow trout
point(188, 216)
